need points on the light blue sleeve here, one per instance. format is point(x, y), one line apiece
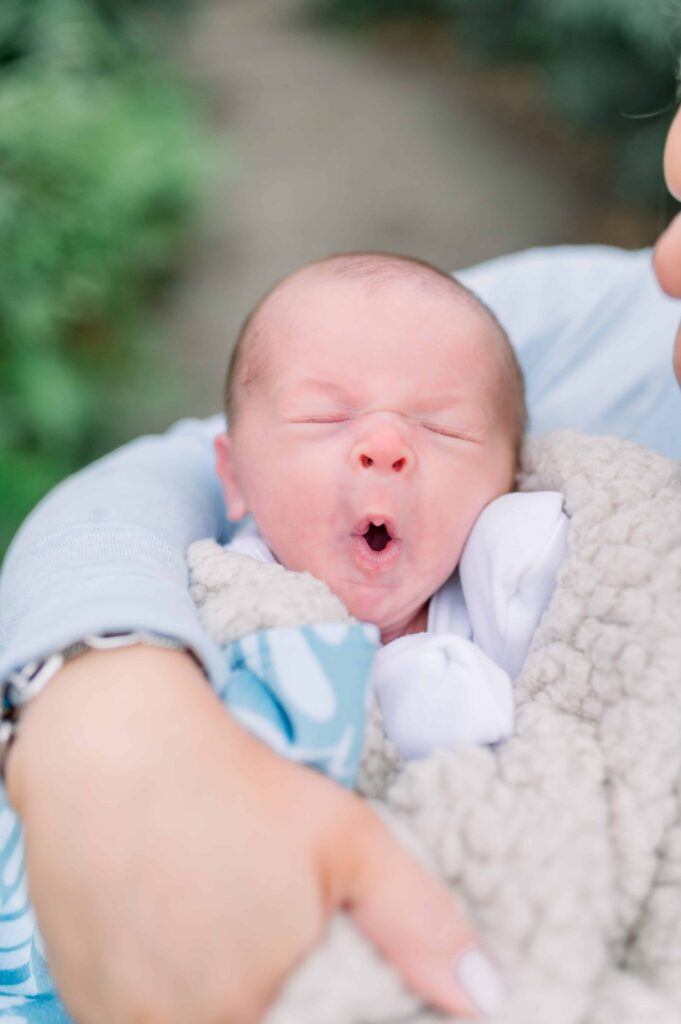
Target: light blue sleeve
point(105, 551)
point(594, 335)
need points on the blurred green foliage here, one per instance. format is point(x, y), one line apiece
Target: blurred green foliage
point(607, 66)
point(100, 160)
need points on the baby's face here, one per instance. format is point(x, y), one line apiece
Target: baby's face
point(374, 406)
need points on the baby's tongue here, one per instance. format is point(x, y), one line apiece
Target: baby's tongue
point(377, 537)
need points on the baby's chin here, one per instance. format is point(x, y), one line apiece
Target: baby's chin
point(360, 606)
point(387, 611)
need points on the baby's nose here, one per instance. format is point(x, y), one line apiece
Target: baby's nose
point(383, 450)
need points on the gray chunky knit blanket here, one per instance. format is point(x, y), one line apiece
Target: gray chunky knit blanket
point(565, 842)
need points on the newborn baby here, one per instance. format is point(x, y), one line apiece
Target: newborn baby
point(375, 408)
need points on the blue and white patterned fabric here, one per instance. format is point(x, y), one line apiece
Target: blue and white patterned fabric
point(42, 1009)
point(303, 690)
point(26, 989)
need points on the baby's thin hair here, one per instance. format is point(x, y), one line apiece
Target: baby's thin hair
point(374, 269)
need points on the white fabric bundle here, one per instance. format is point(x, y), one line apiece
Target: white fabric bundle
point(453, 684)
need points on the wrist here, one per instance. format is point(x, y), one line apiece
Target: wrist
point(92, 697)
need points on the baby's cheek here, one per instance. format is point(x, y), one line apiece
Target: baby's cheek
point(451, 532)
point(293, 523)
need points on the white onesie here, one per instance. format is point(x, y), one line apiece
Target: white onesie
point(452, 685)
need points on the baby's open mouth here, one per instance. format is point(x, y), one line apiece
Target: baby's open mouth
point(376, 544)
point(376, 531)
point(377, 536)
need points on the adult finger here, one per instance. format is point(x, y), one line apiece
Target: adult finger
point(416, 923)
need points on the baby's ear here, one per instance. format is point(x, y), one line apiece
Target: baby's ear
point(224, 463)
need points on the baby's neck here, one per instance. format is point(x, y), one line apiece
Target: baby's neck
point(418, 624)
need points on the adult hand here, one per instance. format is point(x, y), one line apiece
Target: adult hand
point(179, 869)
point(667, 257)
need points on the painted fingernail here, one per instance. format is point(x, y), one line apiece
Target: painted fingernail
point(480, 980)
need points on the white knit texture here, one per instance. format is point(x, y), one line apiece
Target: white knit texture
point(236, 594)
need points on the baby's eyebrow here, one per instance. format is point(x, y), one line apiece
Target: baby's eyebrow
point(315, 386)
point(438, 401)
point(321, 384)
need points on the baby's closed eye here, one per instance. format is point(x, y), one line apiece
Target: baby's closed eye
point(456, 433)
point(339, 418)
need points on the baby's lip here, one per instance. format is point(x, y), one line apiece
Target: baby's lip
point(378, 519)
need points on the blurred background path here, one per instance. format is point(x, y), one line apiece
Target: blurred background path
point(326, 145)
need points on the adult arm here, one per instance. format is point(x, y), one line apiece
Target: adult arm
point(594, 334)
point(105, 551)
point(180, 869)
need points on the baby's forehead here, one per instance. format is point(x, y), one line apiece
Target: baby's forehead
point(374, 299)
point(317, 290)
point(297, 356)
point(283, 333)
